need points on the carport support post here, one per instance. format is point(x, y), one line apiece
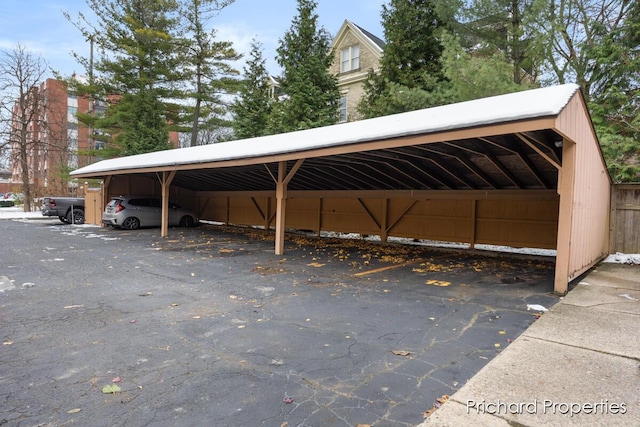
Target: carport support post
point(566, 181)
point(166, 179)
point(281, 205)
point(105, 192)
point(281, 200)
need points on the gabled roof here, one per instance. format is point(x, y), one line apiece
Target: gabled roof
point(507, 142)
point(532, 104)
point(375, 43)
point(374, 39)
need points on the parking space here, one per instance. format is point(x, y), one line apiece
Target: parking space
point(209, 327)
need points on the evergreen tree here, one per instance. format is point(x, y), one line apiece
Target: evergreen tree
point(311, 95)
point(252, 108)
point(136, 41)
point(504, 28)
point(474, 76)
point(411, 60)
point(207, 70)
point(615, 103)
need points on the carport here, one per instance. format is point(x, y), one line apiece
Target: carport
point(522, 170)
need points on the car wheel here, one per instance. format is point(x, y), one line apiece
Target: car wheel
point(186, 221)
point(63, 219)
point(76, 216)
point(131, 223)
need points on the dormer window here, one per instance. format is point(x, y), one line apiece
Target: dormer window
point(350, 58)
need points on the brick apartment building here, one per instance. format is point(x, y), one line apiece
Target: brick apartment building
point(54, 139)
point(56, 143)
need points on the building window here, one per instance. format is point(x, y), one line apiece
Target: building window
point(342, 114)
point(350, 58)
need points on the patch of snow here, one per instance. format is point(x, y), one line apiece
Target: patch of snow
point(15, 212)
point(620, 258)
point(536, 307)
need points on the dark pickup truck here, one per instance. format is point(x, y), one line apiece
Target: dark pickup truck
point(69, 209)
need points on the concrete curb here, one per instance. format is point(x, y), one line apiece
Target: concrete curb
point(578, 365)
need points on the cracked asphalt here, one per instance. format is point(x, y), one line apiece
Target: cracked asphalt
point(209, 327)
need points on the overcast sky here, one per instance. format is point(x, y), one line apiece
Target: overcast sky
point(39, 26)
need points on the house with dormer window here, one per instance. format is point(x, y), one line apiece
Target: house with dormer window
point(356, 52)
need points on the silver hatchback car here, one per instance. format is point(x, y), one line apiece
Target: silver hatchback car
point(132, 212)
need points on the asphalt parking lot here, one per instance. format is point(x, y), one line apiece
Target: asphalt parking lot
point(209, 327)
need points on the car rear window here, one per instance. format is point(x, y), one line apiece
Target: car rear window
point(140, 202)
point(114, 202)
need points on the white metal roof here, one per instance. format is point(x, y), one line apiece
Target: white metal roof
point(532, 104)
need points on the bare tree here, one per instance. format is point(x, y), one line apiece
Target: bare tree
point(20, 100)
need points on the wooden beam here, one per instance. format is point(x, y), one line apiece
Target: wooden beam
point(566, 182)
point(257, 206)
point(523, 157)
point(165, 181)
point(366, 209)
point(537, 194)
point(537, 149)
point(384, 226)
point(319, 228)
point(474, 209)
point(394, 222)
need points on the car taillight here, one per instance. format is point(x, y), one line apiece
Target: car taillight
point(52, 202)
point(119, 208)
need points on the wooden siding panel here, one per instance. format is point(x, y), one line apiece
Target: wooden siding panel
point(242, 210)
point(500, 221)
point(531, 224)
point(444, 220)
point(589, 241)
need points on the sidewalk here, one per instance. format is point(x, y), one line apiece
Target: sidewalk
point(578, 365)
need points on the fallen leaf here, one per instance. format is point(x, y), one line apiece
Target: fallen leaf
point(441, 283)
point(502, 332)
point(225, 251)
point(196, 317)
point(287, 399)
point(110, 388)
point(316, 264)
point(284, 424)
point(73, 306)
point(7, 343)
point(400, 352)
point(146, 294)
point(74, 411)
point(496, 345)
point(363, 425)
point(116, 380)
point(443, 398)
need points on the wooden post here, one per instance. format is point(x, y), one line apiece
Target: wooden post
point(566, 181)
point(384, 225)
point(281, 205)
point(165, 181)
point(319, 228)
point(474, 208)
point(281, 200)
